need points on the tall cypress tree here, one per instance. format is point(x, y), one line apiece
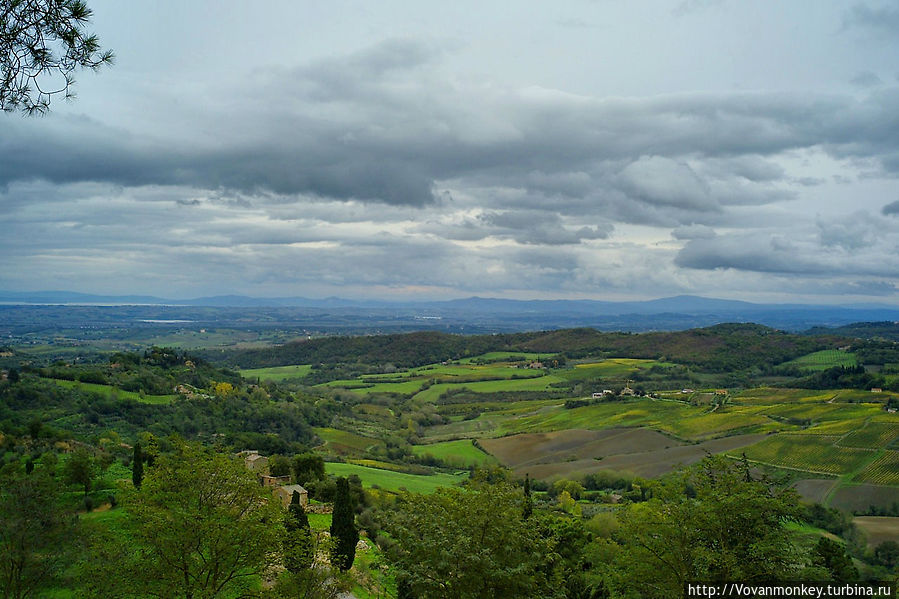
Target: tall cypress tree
point(344, 533)
point(299, 550)
point(137, 466)
point(298, 518)
point(528, 502)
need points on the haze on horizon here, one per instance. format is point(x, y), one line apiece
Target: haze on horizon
point(591, 149)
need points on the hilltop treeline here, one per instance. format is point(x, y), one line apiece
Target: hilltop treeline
point(402, 350)
point(720, 348)
point(156, 371)
point(863, 330)
point(161, 390)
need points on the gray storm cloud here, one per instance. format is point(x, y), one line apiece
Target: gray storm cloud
point(397, 163)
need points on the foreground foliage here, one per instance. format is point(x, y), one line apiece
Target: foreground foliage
point(201, 526)
point(33, 531)
point(712, 523)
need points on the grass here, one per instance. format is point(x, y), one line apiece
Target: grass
point(460, 453)
point(396, 481)
point(109, 391)
point(277, 373)
point(319, 521)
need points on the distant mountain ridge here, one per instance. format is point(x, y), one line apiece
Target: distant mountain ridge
point(468, 315)
point(682, 304)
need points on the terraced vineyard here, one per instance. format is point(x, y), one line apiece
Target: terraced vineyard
point(882, 471)
point(809, 453)
point(872, 435)
point(822, 360)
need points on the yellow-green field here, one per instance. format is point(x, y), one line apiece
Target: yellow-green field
point(460, 453)
point(277, 373)
point(614, 368)
point(346, 443)
point(679, 419)
point(396, 481)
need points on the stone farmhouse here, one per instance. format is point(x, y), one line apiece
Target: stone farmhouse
point(280, 485)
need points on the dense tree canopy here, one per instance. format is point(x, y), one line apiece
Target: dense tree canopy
point(710, 523)
point(461, 543)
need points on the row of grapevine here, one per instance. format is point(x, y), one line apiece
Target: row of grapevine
point(882, 471)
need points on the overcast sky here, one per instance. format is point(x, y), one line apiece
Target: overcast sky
point(420, 150)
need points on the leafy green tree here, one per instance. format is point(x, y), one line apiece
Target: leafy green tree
point(468, 543)
point(279, 465)
point(344, 534)
point(313, 583)
point(137, 466)
point(203, 526)
point(726, 528)
point(887, 554)
point(42, 43)
point(832, 557)
point(308, 467)
point(33, 534)
point(80, 469)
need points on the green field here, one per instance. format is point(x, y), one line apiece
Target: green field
point(822, 360)
point(395, 481)
point(679, 419)
point(440, 377)
point(110, 391)
point(541, 383)
point(277, 373)
point(460, 453)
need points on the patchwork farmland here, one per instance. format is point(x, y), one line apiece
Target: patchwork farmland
point(525, 417)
